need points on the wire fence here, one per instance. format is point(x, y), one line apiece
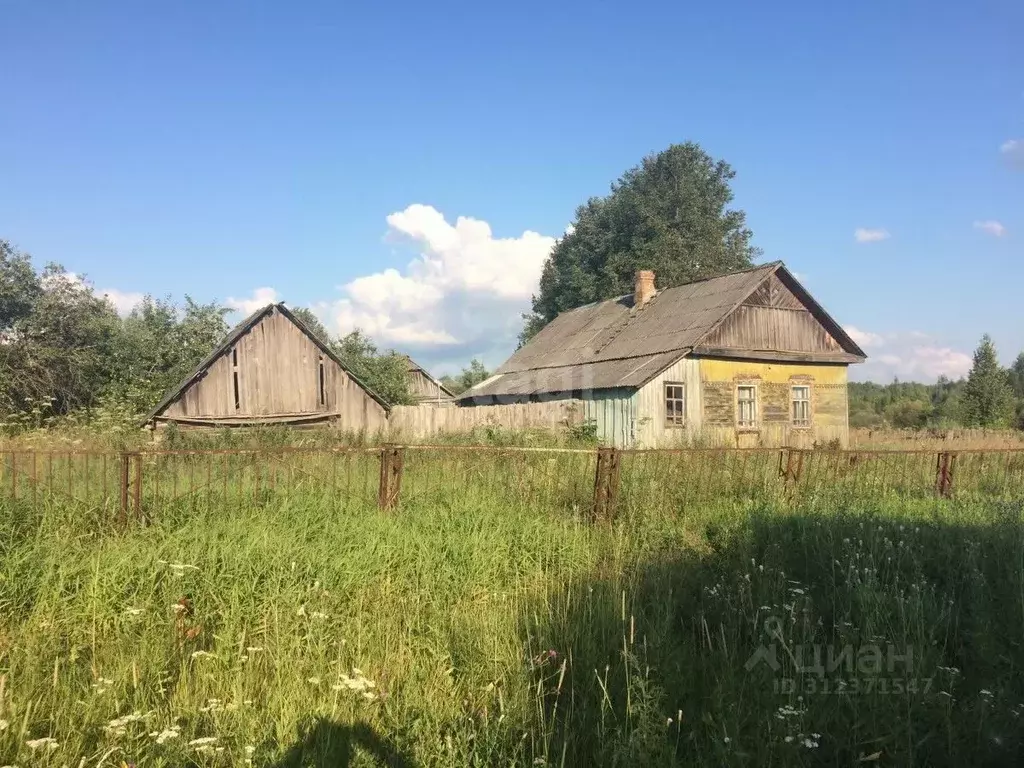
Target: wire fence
point(601, 483)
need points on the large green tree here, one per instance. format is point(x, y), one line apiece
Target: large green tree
point(671, 214)
point(57, 338)
point(315, 326)
point(987, 398)
point(470, 376)
point(159, 344)
point(385, 373)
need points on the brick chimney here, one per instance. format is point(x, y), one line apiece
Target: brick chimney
point(644, 290)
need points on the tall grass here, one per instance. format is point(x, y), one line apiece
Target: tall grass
point(472, 627)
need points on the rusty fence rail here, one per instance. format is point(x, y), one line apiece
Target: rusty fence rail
point(600, 483)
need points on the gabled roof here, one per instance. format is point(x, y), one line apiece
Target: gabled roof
point(413, 367)
point(611, 344)
point(234, 335)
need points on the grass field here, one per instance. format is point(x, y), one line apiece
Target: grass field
point(486, 621)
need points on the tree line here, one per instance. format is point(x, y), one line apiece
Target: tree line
point(990, 397)
point(65, 353)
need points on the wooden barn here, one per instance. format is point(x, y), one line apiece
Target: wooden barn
point(270, 369)
point(425, 388)
point(743, 359)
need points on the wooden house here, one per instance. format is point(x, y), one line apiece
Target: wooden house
point(425, 388)
point(270, 369)
point(743, 359)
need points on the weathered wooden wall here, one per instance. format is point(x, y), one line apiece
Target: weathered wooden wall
point(278, 376)
point(426, 390)
point(414, 422)
point(652, 431)
point(772, 319)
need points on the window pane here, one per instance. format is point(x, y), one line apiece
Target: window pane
point(801, 408)
point(675, 404)
point(746, 397)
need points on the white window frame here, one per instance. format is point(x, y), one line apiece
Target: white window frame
point(806, 422)
point(678, 421)
point(755, 422)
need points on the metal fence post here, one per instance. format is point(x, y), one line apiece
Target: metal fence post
point(606, 483)
point(390, 487)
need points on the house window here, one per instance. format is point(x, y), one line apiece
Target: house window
point(746, 405)
point(800, 397)
point(675, 404)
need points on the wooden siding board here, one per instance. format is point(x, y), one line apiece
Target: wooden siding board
point(424, 421)
point(652, 431)
point(614, 415)
point(778, 329)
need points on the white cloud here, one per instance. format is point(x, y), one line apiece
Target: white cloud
point(864, 339)
point(862, 235)
point(259, 299)
point(124, 301)
point(910, 355)
point(1013, 151)
point(466, 289)
point(991, 227)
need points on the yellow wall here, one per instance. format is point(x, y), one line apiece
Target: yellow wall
point(829, 403)
point(778, 373)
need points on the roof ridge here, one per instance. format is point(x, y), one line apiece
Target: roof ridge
point(773, 264)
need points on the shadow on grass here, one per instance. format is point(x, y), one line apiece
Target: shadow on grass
point(327, 744)
point(890, 640)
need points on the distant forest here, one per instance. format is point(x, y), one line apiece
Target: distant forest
point(989, 397)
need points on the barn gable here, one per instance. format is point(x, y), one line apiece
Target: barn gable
point(271, 369)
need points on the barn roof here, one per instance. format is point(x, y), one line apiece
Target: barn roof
point(611, 344)
point(234, 335)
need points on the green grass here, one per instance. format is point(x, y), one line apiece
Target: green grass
point(500, 627)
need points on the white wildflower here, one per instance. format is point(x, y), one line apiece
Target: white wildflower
point(44, 743)
point(204, 741)
point(726, 740)
point(318, 615)
point(313, 680)
point(788, 739)
point(134, 611)
point(167, 734)
point(254, 649)
point(118, 725)
point(203, 655)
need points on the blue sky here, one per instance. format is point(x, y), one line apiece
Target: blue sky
point(323, 155)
